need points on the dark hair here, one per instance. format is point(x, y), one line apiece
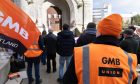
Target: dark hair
point(91, 25)
point(129, 31)
point(132, 27)
point(50, 31)
point(65, 27)
point(44, 32)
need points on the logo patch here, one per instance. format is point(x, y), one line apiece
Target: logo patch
point(110, 72)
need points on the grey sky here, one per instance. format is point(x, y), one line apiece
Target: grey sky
point(120, 6)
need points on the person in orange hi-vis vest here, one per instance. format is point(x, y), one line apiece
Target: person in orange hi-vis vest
point(32, 56)
point(103, 62)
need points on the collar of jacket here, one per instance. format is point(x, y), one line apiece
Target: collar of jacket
point(108, 40)
point(91, 31)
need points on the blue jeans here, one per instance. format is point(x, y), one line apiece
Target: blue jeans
point(29, 70)
point(43, 57)
point(62, 60)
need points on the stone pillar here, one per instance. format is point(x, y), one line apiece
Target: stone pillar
point(38, 7)
point(84, 13)
point(88, 11)
point(23, 5)
point(79, 15)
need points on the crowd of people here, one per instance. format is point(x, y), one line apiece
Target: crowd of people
point(103, 54)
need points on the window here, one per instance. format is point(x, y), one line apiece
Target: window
point(55, 15)
point(49, 16)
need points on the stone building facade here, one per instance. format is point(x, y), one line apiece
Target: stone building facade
point(54, 13)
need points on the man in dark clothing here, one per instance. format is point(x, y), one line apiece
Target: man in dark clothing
point(136, 36)
point(65, 46)
point(50, 47)
point(129, 44)
point(32, 56)
point(88, 36)
point(82, 69)
point(42, 47)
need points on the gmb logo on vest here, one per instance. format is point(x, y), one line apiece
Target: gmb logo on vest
point(110, 71)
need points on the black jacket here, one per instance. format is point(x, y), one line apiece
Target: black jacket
point(41, 42)
point(87, 37)
point(50, 44)
point(65, 43)
point(138, 53)
point(70, 75)
point(130, 45)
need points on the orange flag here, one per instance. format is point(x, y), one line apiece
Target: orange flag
point(17, 30)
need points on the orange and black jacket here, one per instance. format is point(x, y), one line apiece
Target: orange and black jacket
point(70, 76)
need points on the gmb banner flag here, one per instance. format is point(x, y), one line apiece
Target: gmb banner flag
point(17, 30)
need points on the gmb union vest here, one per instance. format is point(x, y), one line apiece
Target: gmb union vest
point(104, 64)
point(33, 51)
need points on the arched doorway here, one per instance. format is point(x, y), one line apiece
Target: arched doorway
point(61, 8)
point(54, 18)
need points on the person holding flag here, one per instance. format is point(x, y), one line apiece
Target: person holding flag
point(33, 57)
point(20, 34)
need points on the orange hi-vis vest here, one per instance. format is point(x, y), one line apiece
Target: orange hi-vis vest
point(104, 64)
point(33, 51)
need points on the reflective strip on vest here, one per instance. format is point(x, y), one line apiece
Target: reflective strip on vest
point(86, 65)
point(130, 66)
point(33, 49)
point(35, 45)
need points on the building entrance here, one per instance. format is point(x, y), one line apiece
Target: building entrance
point(54, 18)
